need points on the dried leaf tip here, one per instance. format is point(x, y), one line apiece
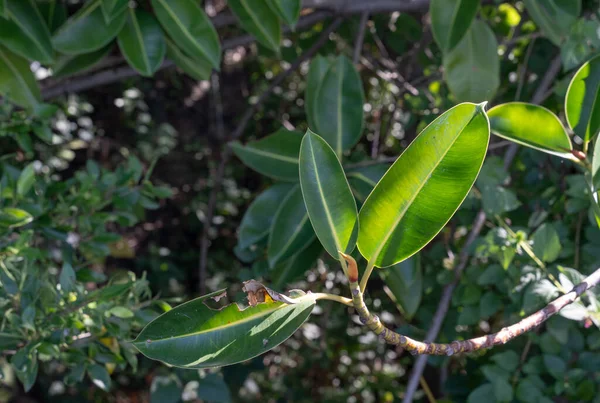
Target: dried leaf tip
point(352, 267)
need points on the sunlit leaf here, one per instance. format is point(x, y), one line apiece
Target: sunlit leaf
point(404, 285)
point(259, 19)
point(13, 217)
point(581, 103)
point(193, 335)
point(424, 187)
point(17, 82)
point(554, 17)
point(450, 20)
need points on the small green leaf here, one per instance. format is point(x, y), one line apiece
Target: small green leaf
point(508, 360)
point(546, 243)
point(404, 285)
point(258, 218)
point(67, 65)
point(555, 366)
point(481, 394)
point(99, 376)
point(259, 19)
point(327, 195)
point(25, 364)
point(472, 68)
point(26, 180)
point(87, 31)
point(17, 82)
point(532, 126)
point(450, 20)
point(288, 10)
point(338, 106)
point(363, 179)
point(291, 230)
point(113, 8)
point(190, 28)
point(121, 312)
point(554, 17)
point(498, 200)
point(197, 69)
point(14, 217)
point(581, 103)
point(275, 156)
point(194, 336)
point(67, 278)
point(316, 72)
point(424, 187)
point(142, 42)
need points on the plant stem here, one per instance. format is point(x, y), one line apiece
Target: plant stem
point(427, 390)
point(331, 297)
point(365, 277)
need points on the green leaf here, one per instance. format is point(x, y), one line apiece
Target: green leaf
point(26, 32)
point(166, 389)
point(554, 17)
point(404, 285)
point(197, 69)
point(26, 180)
point(14, 217)
point(67, 65)
point(258, 218)
point(316, 72)
point(259, 19)
point(532, 126)
point(121, 312)
point(546, 243)
point(481, 394)
point(450, 21)
point(555, 366)
point(142, 42)
point(190, 28)
point(194, 336)
point(581, 103)
point(291, 230)
point(99, 376)
point(288, 10)
point(3, 8)
point(25, 364)
point(295, 267)
point(472, 68)
point(508, 360)
point(338, 105)
point(113, 8)
point(54, 13)
point(498, 200)
point(363, 179)
point(424, 187)
point(490, 304)
point(87, 31)
point(327, 195)
point(67, 278)
point(213, 388)
point(17, 82)
point(275, 156)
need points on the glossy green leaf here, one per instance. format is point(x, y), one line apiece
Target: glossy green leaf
point(67, 65)
point(291, 230)
point(26, 180)
point(87, 31)
point(113, 8)
point(193, 335)
point(275, 156)
point(339, 104)
point(554, 17)
point(190, 28)
point(581, 103)
point(26, 33)
point(546, 243)
point(17, 82)
point(295, 267)
point(142, 42)
point(532, 126)
point(404, 285)
point(258, 218)
point(288, 10)
point(472, 68)
point(327, 195)
point(450, 20)
point(259, 19)
point(316, 73)
point(363, 179)
point(197, 69)
point(424, 187)
point(99, 376)
point(54, 13)
point(14, 217)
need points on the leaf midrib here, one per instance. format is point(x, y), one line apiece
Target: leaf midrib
point(257, 23)
point(264, 153)
point(138, 33)
point(29, 33)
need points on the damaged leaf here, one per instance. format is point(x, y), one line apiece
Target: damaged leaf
point(193, 335)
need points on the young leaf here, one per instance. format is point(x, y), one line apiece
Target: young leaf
point(188, 25)
point(424, 187)
point(546, 243)
point(327, 196)
point(257, 18)
point(257, 220)
point(197, 69)
point(532, 126)
point(288, 10)
point(450, 21)
point(554, 17)
point(472, 68)
point(362, 180)
point(26, 180)
point(194, 336)
point(113, 8)
point(275, 156)
point(404, 285)
point(86, 31)
point(316, 73)
point(17, 82)
point(339, 106)
point(13, 217)
point(291, 230)
point(582, 106)
point(67, 65)
point(25, 32)
point(142, 42)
